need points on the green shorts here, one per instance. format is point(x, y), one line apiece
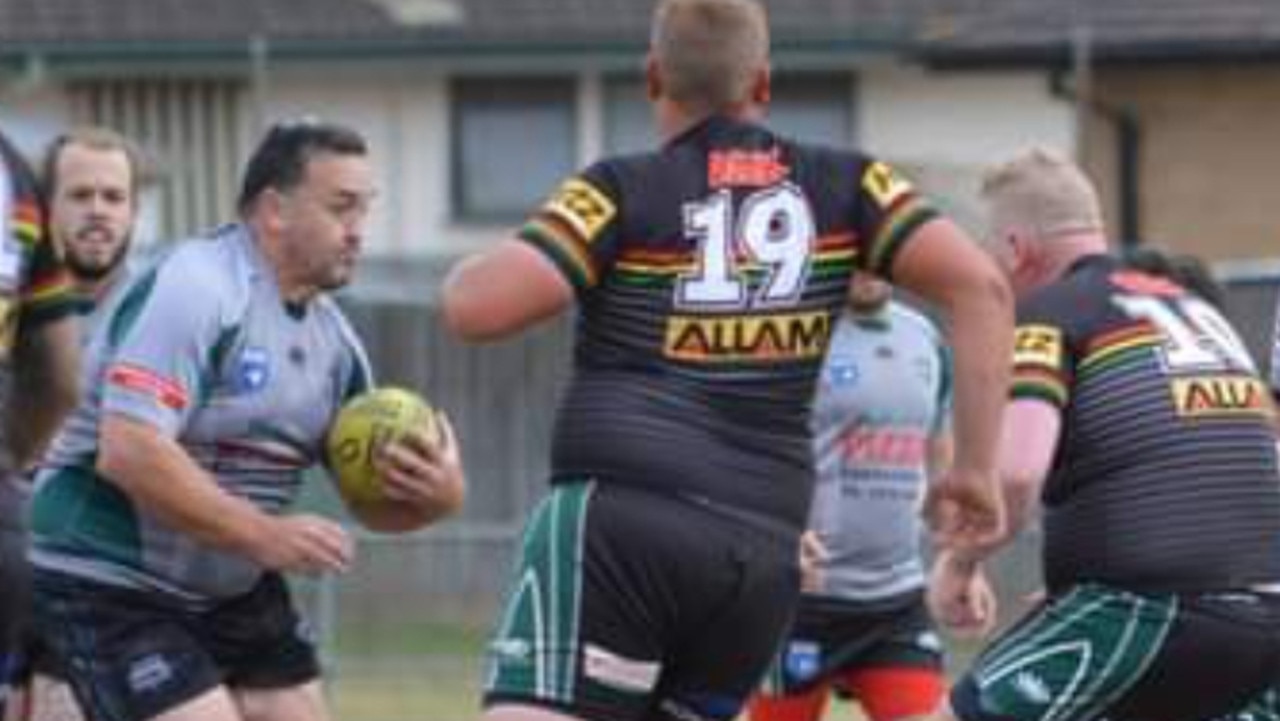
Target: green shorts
point(627, 604)
point(1097, 652)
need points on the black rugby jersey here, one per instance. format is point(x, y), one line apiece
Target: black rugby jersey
point(708, 274)
point(35, 286)
point(1165, 476)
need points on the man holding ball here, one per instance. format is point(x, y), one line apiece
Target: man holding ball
point(159, 527)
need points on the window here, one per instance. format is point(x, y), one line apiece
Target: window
point(814, 108)
point(190, 132)
point(628, 119)
point(514, 140)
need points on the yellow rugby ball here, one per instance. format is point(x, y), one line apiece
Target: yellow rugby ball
point(363, 425)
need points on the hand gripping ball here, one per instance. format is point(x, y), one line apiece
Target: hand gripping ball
point(360, 429)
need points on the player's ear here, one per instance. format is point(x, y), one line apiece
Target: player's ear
point(270, 209)
point(762, 86)
point(652, 78)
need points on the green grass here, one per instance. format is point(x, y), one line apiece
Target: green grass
point(429, 671)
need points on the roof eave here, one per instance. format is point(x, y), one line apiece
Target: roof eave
point(499, 52)
point(1059, 54)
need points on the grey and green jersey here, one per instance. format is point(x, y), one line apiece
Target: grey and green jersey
point(203, 348)
point(885, 392)
point(95, 311)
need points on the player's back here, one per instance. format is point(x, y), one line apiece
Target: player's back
point(1167, 477)
point(709, 282)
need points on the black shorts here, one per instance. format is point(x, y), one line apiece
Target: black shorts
point(1101, 652)
point(627, 604)
point(834, 637)
point(131, 655)
point(15, 583)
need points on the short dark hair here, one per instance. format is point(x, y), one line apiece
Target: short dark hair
point(1184, 269)
point(280, 161)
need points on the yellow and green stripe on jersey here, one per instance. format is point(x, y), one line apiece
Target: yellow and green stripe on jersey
point(904, 210)
point(567, 225)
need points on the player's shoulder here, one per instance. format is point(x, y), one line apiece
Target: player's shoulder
point(216, 265)
point(329, 311)
point(1086, 284)
point(807, 154)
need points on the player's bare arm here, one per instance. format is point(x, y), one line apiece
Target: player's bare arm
point(1028, 442)
point(947, 268)
point(502, 291)
point(46, 369)
point(960, 596)
point(159, 475)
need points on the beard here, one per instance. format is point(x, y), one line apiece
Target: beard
point(92, 269)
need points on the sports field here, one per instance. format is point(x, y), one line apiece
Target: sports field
point(427, 672)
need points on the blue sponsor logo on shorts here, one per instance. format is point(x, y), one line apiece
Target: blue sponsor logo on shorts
point(253, 370)
point(149, 673)
point(842, 371)
point(803, 660)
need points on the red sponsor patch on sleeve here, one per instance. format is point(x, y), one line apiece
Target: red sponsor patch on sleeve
point(142, 380)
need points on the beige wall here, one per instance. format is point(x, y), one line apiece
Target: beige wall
point(1210, 168)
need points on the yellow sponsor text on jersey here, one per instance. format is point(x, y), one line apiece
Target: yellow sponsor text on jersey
point(8, 326)
point(1038, 345)
point(724, 339)
point(1217, 395)
point(884, 184)
point(584, 208)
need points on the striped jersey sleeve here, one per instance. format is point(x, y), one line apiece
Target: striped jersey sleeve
point(45, 292)
point(1043, 362)
point(892, 209)
point(576, 227)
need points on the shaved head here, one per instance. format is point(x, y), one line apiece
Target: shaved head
point(710, 51)
point(1041, 193)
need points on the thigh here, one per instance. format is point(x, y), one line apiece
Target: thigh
point(734, 627)
point(1221, 654)
point(51, 700)
point(1072, 657)
point(304, 702)
point(259, 641)
point(831, 639)
point(127, 658)
point(15, 581)
point(214, 704)
point(623, 602)
point(901, 675)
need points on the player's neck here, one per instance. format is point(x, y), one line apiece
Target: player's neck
point(1064, 251)
point(291, 288)
point(675, 119)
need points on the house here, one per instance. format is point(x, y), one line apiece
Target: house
point(1177, 105)
point(476, 108)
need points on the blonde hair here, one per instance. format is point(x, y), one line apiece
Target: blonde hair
point(1043, 193)
point(708, 51)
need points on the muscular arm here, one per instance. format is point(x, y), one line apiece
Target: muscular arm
point(502, 291)
point(1028, 442)
point(45, 386)
point(939, 454)
point(945, 267)
point(157, 474)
